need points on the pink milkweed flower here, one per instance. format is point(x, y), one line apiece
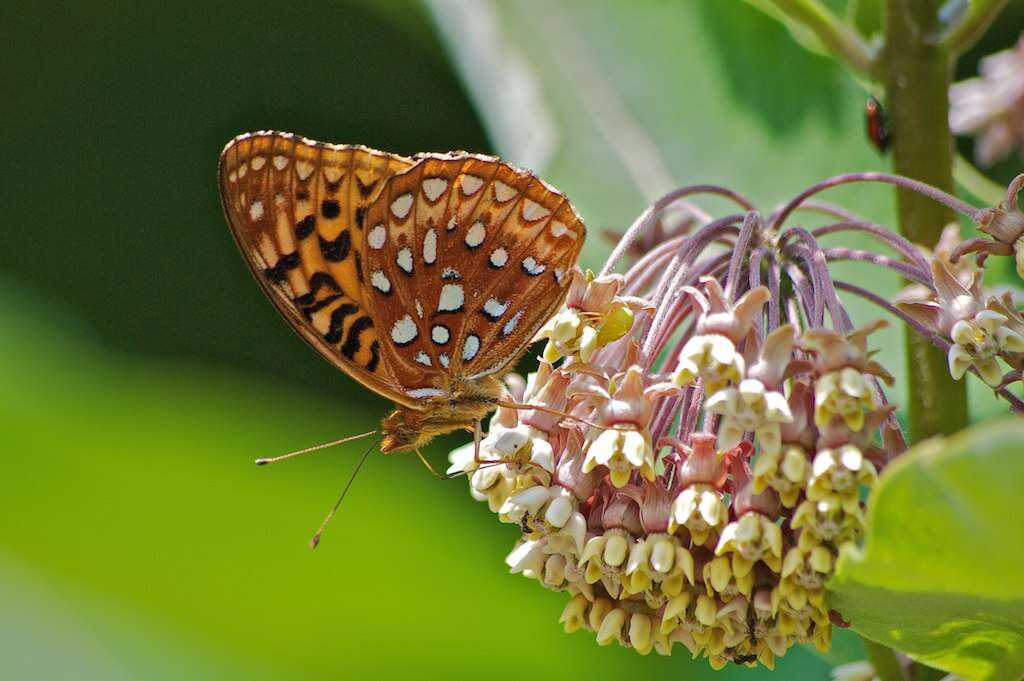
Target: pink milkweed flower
point(711, 353)
point(991, 107)
point(624, 443)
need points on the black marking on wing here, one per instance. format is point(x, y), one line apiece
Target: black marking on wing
point(371, 366)
point(333, 334)
point(337, 250)
point(330, 209)
point(304, 227)
point(307, 312)
point(360, 216)
point(288, 261)
point(321, 279)
point(316, 282)
point(365, 189)
point(352, 345)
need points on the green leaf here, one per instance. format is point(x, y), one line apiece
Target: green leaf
point(866, 16)
point(942, 574)
point(803, 36)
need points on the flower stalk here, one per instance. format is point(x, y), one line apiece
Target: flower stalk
point(917, 78)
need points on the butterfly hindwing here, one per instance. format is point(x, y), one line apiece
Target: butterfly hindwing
point(466, 258)
point(296, 209)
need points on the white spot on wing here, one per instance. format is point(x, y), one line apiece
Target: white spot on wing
point(380, 281)
point(303, 169)
point(494, 308)
point(451, 298)
point(419, 309)
point(404, 259)
point(470, 347)
point(404, 331)
point(433, 187)
point(559, 275)
point(401, 206)
point(451, 273)
point(510, 325)
point(430, 246)
point(444, 359)
point(533, 211)
point(476, 234)
point(233, 176)
point(471, 184)
point(453, 222)
point(242, 170)
point(376, 237)
point(258, 162)
point(424, 359)
point(558, 229)
point(503, 192)
point(532, 267)
point(440, 334)
point(332, 174)
point(425, 392)
point(280, 162)
point(256, 211)
point(499, 256)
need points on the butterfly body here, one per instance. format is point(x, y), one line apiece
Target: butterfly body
point(463, 406)
point(423, 278)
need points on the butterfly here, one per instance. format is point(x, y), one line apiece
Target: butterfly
point(423, 278)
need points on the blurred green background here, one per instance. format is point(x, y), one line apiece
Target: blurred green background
point(141, 370)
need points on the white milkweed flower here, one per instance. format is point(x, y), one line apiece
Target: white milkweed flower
point(700, 505)
point(711, 358)
point(711, 354)
point(840, 471)
point(622, 443)
point(750, 407)
point(978, 342)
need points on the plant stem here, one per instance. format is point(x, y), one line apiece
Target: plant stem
point(840, 39)
point(979, 16)
point(917, 79)
point(884, 660)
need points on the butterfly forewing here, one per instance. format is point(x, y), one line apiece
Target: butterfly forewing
point(466, 258)
point(296, 208)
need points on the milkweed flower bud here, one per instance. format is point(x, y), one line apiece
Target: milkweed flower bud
point(594, 317)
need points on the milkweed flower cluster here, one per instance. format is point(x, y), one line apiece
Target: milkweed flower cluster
point(706, 426)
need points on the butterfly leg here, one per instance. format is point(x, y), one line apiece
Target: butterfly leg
point(430, 468)
point(476, 443)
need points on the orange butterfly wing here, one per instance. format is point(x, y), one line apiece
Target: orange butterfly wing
point(296, 209)
point(466, 257)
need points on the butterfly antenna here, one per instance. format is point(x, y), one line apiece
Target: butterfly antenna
point(315, 541)
point(315, 448)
